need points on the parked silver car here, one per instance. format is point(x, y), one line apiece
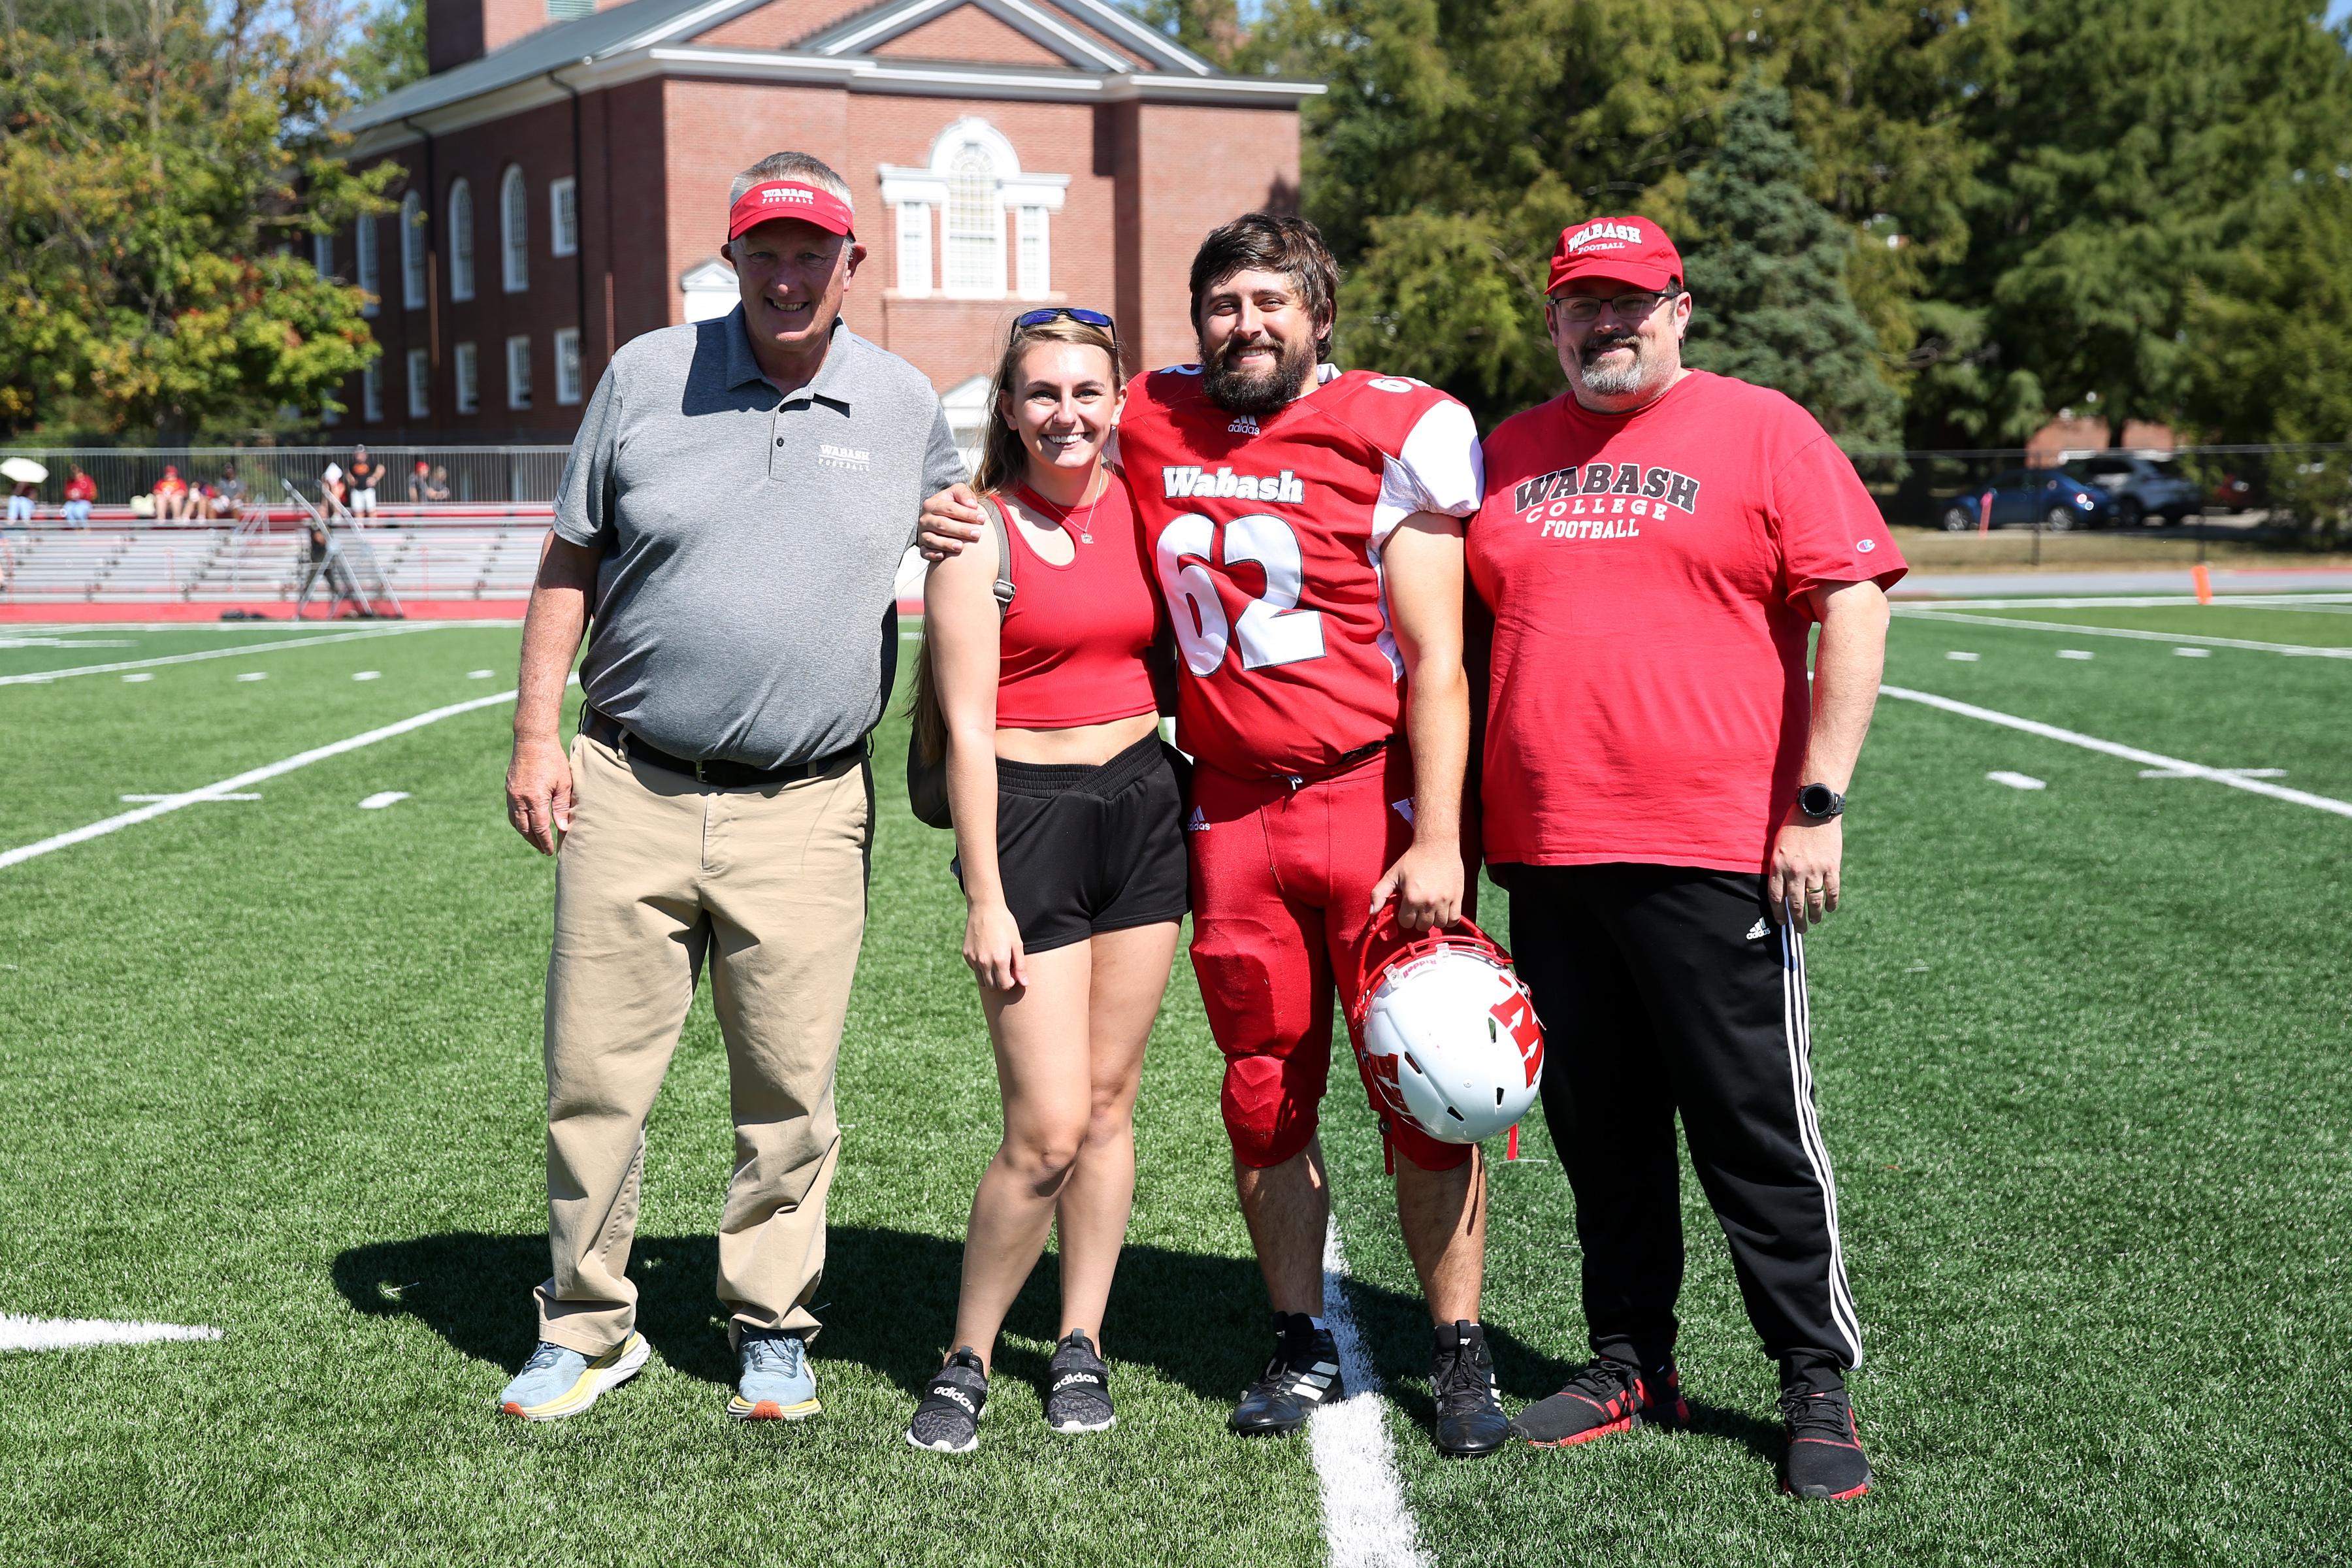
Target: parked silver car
point(2142, 488)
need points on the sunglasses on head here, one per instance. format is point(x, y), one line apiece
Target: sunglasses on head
point(1055, 313)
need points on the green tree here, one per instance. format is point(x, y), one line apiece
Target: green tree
point(2131, 145)
point(1459, 137)
point(2269, 340)
point(390, 53)
point(1767, 268)
point(162, 171)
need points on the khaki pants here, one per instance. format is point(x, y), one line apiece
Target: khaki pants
point(658, 874)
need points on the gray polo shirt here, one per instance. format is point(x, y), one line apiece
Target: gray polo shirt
point(744, 607)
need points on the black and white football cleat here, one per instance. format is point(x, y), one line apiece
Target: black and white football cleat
point(1303, 1377)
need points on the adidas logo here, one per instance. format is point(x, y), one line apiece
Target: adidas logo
point(1757, 932)
point(1068, 1378)
point(1313, 1384)
point(1242, 425)
point(1200, 823)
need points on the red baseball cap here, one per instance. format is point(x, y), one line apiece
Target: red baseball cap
point(1623, 249)
point(773, 199)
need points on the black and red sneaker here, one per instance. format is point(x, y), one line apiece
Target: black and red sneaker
point(1824, 1460)
point(1605, 1397)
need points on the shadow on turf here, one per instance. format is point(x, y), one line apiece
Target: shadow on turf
point(888, 1302)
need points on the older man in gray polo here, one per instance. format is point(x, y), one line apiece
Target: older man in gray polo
point(731, 519)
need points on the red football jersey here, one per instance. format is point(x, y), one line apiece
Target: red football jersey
point(1265, 535)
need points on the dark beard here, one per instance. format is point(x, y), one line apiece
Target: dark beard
point(1242, 392)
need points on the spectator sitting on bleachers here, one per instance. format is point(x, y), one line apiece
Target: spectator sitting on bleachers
point(80, 491)
point(437, 489)
point(171, 495)
point(226, 497)
point(364, 478)
point(20, 502)
point(419, 477)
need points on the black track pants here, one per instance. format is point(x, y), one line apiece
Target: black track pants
point(1666, 988)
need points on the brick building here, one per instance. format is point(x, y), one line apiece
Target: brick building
point(566, 168)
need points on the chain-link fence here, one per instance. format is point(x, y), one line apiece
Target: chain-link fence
point(481, 475)
point(2279, 496)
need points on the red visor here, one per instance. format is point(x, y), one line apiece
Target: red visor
point(773, 199)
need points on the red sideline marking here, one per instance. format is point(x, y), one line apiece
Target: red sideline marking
point(131, 611)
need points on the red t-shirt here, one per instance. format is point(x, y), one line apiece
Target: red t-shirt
point(1265, 536)
point(1075, 637)
point(1646, 572)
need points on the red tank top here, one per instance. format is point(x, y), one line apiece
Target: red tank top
point(1075, 636)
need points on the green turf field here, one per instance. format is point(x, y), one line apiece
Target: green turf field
point(272, 1065)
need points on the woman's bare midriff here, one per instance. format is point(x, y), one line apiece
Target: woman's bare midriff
point(1082, 745)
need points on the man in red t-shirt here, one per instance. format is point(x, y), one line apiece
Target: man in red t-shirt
point(1660, 793)
point(1304, 532)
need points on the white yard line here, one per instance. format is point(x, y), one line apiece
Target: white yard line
point(20, 1333)
point(1953, 618)
point(2174, 765)
point(1365, 1520)
point(245, 780)
point(41, 677)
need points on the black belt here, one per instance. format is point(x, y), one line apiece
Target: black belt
point(606, 731)
point(1342, 763)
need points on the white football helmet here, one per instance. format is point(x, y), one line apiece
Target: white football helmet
point(1447, 1033)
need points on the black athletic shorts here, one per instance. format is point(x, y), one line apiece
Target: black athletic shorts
point(1087, 849)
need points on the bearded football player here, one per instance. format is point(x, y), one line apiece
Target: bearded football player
point(1305, 525)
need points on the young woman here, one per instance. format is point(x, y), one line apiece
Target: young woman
point(1070, 844)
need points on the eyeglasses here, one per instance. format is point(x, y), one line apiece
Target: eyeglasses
point(1634, 307)
point(1055, 313)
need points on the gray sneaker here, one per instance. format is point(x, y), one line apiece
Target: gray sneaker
point(777, 1384)
point(558, 1380)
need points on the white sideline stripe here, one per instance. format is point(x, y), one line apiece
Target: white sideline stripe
point(1365, 1520)
point(2128, 754)
point(136, 799)
point(2332, 603)
point(2023, 781)
point(251, 776)
point(41, 675)
point(21, 1333)
point(2299, 650)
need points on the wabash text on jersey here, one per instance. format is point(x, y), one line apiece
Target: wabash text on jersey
point(1265, 537)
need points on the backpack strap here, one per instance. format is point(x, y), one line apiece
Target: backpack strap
point(1004, 550)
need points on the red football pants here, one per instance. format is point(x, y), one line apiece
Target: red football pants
point(1282, 888)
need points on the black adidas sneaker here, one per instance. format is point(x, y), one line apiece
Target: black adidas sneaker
point(948, 1420)
point(1605, 1395)
point(1303, 1376)
point(1470, 1419)
point(1824, 1459)
point(1077, 1387)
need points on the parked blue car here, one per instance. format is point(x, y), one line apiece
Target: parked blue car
point(2022, 497)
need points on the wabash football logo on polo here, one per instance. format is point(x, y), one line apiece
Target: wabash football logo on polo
point(1604, 501)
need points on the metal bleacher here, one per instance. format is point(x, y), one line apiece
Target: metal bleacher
point(455, 557)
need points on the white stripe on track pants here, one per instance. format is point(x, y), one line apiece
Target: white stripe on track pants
point(1667, 989)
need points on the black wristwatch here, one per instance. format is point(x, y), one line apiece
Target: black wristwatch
point(1820, 802)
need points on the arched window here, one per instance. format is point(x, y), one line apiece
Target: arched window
point(514, 232)
point(975, 237)
point(461, 241)
point(412, 251)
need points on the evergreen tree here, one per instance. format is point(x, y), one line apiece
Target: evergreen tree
point(1768, 269)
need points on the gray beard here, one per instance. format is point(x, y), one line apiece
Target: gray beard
point(1614, 382)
